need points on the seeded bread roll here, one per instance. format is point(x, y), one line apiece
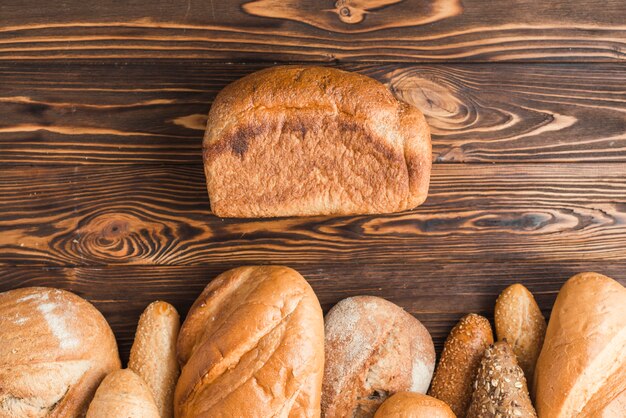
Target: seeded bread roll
point(252, 346)
point(582, 365)
point(520, 322)
point(374, 349)
point(123, 394)
point(298, 141)
point(460, 358)
point(153, 354)
point(55, 349)
point(413, 405)
point(500, 389)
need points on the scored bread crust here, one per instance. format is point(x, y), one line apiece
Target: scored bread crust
point(374, 348)
point(56, 348)
point(251, 346)
point(582, 366)
point(296, 140)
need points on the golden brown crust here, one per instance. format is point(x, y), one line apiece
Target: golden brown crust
point(252, 345)
point(153, 354)
point(413, 405)
point(582, 366)
point(500, 389)
point(123, 394)
point(460, 358)
point(520, 322)
point(56, 348)
point(373, 349)
point(314, 141)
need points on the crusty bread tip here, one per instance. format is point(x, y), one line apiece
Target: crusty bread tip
point(299, 141)
point(413, 405)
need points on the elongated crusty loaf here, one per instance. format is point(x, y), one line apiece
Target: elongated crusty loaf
point(520, 322)
point(55, 348)
point(460, 358)
point(413, 405)
point(123, 394)
point(500, 389)
point(314, 141)
point(153, 354)
point(252, 346)
point(582, 365)
point(374, 348)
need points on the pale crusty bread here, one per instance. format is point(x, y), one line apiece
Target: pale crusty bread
point(413, 405)
point(582, 366)
point(252, 345)
point(153, 354)
point(55, 350)
point(458, 365)
point(615, 409)
point(374, 348)
point(500, 389)
point(520, 322)
point(296, 141)
point(123, 394)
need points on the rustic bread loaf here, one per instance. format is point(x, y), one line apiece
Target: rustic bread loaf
point(295, 140)
point(413, 405)
point(458, 365)
point(123, 394)
point(500, 389)
point(153, 354)
point(373, 349)
point(520, 322)
point(582, 366)
point(252, 346)
point(55, 348)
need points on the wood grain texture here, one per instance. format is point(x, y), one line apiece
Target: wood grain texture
point(91, 215)
point(145, 112)
point(328, 30)
point(438, 294)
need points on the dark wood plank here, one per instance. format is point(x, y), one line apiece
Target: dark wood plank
point(93, 113)
point(93, 215)
point(410, 30)
point(438, 294)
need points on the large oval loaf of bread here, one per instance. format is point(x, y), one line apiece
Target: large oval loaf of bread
point(252, 346)
point(55, 349)
point(295, 141)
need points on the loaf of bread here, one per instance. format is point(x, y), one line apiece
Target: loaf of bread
point(582, 365)
point(252, 345)
point(153, 354)
point(295, 141)
point(500, 389)
point(123, 394)
point(458, 365)
point(374, 349)
point(520, 322)
point(55, 349)
point(413, 405)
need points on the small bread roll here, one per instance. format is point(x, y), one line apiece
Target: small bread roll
point(519, 321)
point(460, 358)
point(500, 389)
point(153, 355)
point(413, 405)
point(123, 394)
point(374, 349)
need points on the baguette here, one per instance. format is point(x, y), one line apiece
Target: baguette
point(153, 354)
point(460, 358)
point(520, 322)
point(123, 394)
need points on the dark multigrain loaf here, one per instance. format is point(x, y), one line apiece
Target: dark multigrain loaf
point(308, 141)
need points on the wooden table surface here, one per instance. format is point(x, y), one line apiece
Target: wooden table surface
point(102, 111)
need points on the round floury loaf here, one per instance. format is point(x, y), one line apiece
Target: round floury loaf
point(374, 349)
point(55, 350)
